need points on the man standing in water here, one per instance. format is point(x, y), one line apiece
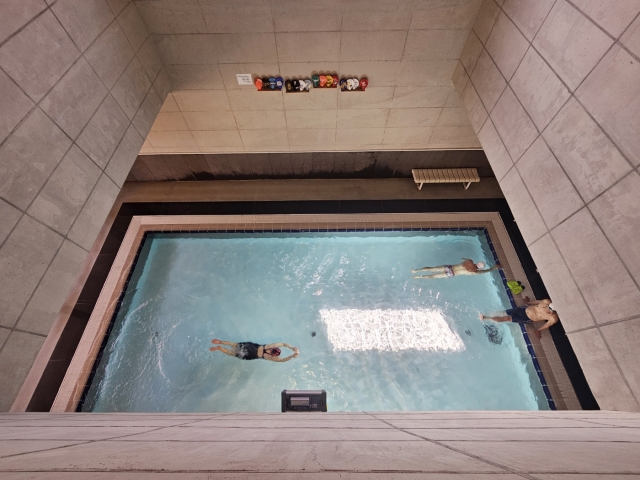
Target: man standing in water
point(466, 267)
point(536, 311)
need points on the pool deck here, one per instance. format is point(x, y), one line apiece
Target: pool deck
point(562, 445)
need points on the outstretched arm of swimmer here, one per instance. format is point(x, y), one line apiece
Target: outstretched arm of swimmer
point(266, 356)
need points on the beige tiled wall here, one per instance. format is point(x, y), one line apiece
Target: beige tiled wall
point(552, 89)
point(80, 86)
point(408, 50)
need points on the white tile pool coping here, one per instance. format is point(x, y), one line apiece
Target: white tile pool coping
point(88, 349)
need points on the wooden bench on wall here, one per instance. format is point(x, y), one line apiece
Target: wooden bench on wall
point(445, 175)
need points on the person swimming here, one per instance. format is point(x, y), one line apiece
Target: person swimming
point(253, 351)
point(466, 267)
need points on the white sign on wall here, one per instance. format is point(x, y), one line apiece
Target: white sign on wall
point(244, 79)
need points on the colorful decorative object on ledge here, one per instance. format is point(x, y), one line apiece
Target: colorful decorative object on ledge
point(353, 84)
point(265, 84)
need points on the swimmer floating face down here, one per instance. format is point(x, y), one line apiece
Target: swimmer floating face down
point(254, 351)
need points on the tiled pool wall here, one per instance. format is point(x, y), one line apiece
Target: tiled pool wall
point(547, 360)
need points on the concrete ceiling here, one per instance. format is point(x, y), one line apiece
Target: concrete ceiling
point(407, 48)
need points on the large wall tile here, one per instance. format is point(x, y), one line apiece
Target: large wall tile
point(454, 117)
point(424, 73)
point(311, 119)
point(571, 43)
point(264, 138)
point(244, 47)
point(486, 19)
point(434, 45)
point(230, 16)
point(39, 55)
point(438, 16)
point(29, 156)
point(488, 80)
point(376, 97)
point(587, 155)
point(167, 121)
point(15, 105)
point(229, 138)
point(607, 287)
point(66, 191)
point(379, 73)
point(310, 16)
point(312, 137)
point(164, 140)
point(506, 45)
point(454, 138)
point(539, 89)
point(358, 137)
point(622, 337)
point(308, 47)
point(415, 97)
point(83, 19)
point(459, 80)
point(185, 49)
point(471, 52)
point(618, 213)
point(495, 150)
point(513, 124)
point(407, 136)
point(196, 77)
point(51, 293)
point(16, 359)
point(133, 26)
point(549, 186)
point(375, 20)
point(471, 100)
point(263, 119)
point(363, 118)
point(124, 156)
point(614, 15)
point(74, 100)
point(604, 377)
point(612, 94)
point(631, 38)
point(17, 14)
point(147, 113)
point(110, 54)
point(116, 6)
point(132, 87)
point(162, 84)
point(367, 46)
point(24, 258)
point(102, 134)
point(321, 99)
point(150, 59)
point(524, 210)
point(93, 214)
point(254, 100)
point(9, 216)
point(410, 117)
point(222, 120)
point(528, 15)
point(208, 101)
point(167, 16)
point(573, 311)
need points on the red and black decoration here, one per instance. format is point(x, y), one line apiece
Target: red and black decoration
point(297, 85)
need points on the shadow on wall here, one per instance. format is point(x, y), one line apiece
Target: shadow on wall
point(302, 165)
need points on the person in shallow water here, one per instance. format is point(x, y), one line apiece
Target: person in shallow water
point(536, 311)
point(253, 351)
point(466, 267)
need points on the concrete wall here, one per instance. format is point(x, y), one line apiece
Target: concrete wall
point(80, 86)
point(331, 446)
point(552, 88)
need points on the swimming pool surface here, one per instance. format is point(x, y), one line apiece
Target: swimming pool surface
point(369, 334)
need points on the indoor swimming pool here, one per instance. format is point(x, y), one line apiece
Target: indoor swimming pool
point(371, 335)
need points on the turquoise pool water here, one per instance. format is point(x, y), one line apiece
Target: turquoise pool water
point(369, 334)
